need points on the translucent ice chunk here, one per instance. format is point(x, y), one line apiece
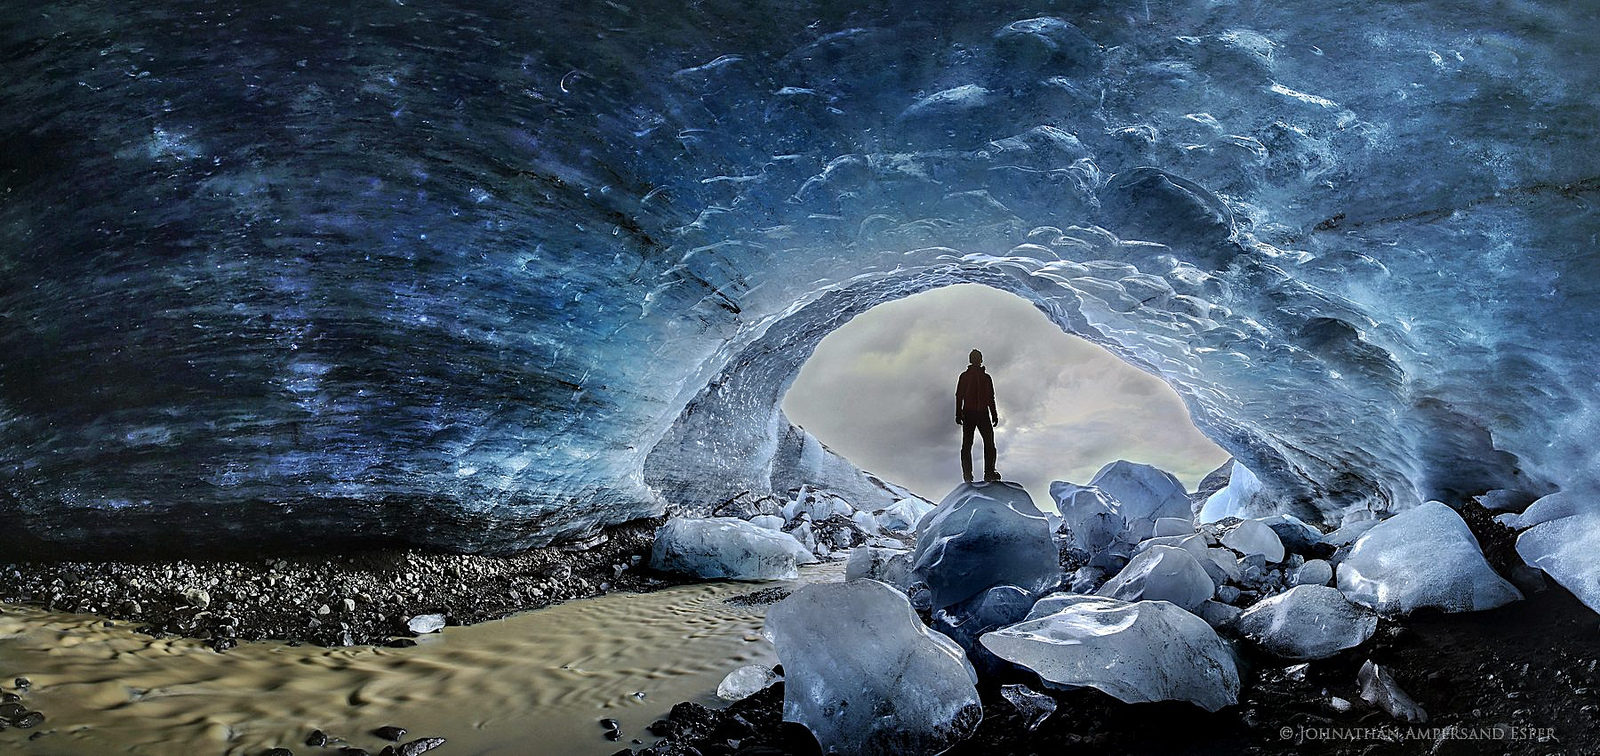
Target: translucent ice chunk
point(1088, 517)
point(1565, 549)
point(903, 515)
point(1033, 707)
point(1164, 573)
point(1143, 494)
point(723, 547)
point(1135, 652)
point(1379, 688)
point(1254, 537)
point(770, 522)
point(984, 535)
point(1424, 556)
point(865, 676)
point(874, 563)
point(1173, 526)
point(745, 681)
point(1308, 622)
point(1314, 572)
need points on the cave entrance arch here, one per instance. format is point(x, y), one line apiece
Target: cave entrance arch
point(733, 437)
point(877, 391)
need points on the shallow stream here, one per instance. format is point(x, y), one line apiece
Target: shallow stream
point(534, 683)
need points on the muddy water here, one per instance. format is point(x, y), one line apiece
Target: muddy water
point(535, 683)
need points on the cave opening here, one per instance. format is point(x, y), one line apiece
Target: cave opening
point(877, 391)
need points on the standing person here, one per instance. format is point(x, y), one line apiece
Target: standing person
point(975, 411)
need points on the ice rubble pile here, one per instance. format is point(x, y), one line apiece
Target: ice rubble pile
point(1158, 610)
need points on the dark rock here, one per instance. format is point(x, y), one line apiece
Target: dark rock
point(222, 644)
point(660, 728)
point(624, 752)
point(26, 721)
point(420, 745)
point(400, 643)
point(317, 738)
point(12, 710)
point(348, 751)
point(390, 733)
point(278, 752)
point(9, 697)
point(388, 750)
point(23, 683)
point(610, 724)
point(613, 735)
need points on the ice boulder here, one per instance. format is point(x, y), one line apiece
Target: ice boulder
point(770, 522)
point(1242, 497)
point(1255, 537)
point(1314, 572)
point(1089, 517)
point(1173, 526)
point(903, 515)
point(1143, 494)
point(1425, 556)
point(875, 563)
point(1308, 622)
point(1135, 652)
point(723, 547)
point(1565, 549)
point(994, 608)
point(865, 676)
point(983, 535)
point(1165, 573)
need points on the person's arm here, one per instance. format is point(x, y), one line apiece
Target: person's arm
point(959, 382)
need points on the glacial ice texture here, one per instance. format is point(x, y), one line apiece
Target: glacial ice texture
point(1422, 557)
point(1162, 573)
point(1136, 652)
point(865, 676)
point(453, 274)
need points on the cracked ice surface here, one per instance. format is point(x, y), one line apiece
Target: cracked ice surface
point(448, 274)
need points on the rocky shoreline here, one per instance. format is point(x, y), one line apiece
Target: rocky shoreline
point(366, 597)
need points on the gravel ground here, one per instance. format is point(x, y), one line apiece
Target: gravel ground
point(361, 598)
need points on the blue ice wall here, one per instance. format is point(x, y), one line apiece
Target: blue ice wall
point(307, 275)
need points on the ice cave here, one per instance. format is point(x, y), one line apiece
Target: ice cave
point(408, 376)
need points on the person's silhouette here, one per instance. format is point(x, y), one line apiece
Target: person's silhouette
point(975, 411)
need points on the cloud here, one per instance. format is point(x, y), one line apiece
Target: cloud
point(880, 390)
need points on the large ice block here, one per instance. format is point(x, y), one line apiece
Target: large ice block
point(1136, 652)
point(865, 676)
point(1424, 556)
point(1308, 622)
point(982, 535)
point(1565, 549)
point(723, 547)
point(1164, 573)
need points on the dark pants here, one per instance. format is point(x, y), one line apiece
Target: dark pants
point(979, 421)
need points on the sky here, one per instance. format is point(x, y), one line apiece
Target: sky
point(880, 391)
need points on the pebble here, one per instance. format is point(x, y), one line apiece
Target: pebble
point(279, 752)
point(317, 739)
point(390, 732)
point(23, 683)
